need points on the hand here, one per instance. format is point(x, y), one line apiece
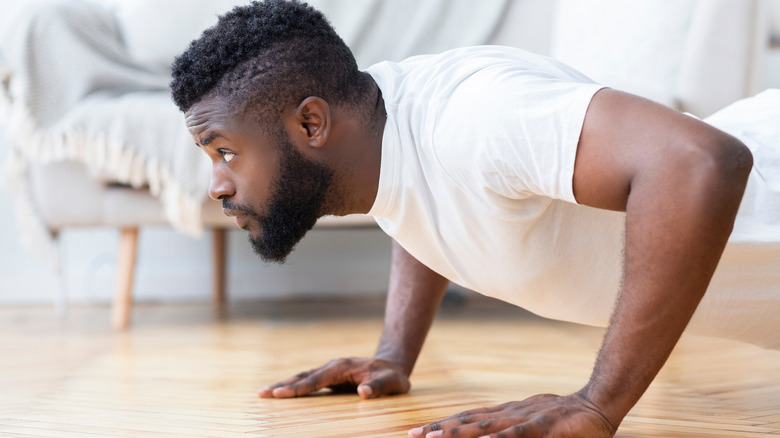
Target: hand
point(539, 416)
point(370, 377)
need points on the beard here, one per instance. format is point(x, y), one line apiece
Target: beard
point(298, 199)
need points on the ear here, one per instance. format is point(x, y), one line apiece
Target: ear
point(313, 119)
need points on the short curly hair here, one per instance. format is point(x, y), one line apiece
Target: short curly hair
point(265, 56)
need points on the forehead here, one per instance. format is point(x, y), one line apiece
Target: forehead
point(208, 114)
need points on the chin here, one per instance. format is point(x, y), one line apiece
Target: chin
point(273, 250)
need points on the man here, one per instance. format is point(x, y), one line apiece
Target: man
point(504, 171)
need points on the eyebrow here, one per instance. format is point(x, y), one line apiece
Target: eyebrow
point(209, 138)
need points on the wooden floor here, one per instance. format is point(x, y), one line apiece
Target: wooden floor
point(183, 372)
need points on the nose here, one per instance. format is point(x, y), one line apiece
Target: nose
point(220, 186)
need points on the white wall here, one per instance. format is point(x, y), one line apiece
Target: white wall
point(773, 68)
point(22, 277)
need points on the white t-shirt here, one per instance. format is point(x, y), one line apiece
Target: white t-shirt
point(476, 183)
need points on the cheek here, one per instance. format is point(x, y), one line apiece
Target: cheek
point(255, 180)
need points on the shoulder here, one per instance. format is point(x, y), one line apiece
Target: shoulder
point(439, 75)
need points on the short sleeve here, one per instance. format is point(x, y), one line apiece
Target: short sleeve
point(514, 131)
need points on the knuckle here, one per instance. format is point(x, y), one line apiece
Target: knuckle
point(463, 418)
point(485, 424)
point(305, 386)
point(435, 426)
point(546, 420)
point(313, 380)
point(518, 429)
point(381, 386)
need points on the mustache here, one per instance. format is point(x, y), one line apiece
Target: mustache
point(229, 205)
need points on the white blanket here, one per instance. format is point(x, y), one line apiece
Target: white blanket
point(70, 92)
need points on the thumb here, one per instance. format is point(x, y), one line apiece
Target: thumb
point(365, 391)
point(386, 383)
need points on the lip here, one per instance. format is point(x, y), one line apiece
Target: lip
point(242, 220)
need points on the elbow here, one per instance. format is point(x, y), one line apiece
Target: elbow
point(732, 162)
point(720, 169)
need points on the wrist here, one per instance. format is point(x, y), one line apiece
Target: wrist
point(396, 358)
point(611, 410)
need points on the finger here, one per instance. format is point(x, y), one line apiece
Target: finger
point(523, 430)
point(493, 428)
point(484, 420)
point(384, 383)
point(498, 427)
point(365, 391)
point(319, 379)
point(429, 430)
point(267, 391)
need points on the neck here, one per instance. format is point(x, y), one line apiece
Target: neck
point(359, 166)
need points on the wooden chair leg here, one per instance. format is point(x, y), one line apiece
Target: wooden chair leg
point(58, 264)
point(218, 258)
point(123, 298)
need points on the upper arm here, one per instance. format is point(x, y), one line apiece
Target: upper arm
point(626, 138)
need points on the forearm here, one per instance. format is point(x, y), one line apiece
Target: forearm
point(677, 225)
point(414, 295)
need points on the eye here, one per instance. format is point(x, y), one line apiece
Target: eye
point(227, 155)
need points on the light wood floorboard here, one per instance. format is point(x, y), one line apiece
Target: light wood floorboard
point(181, 371)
